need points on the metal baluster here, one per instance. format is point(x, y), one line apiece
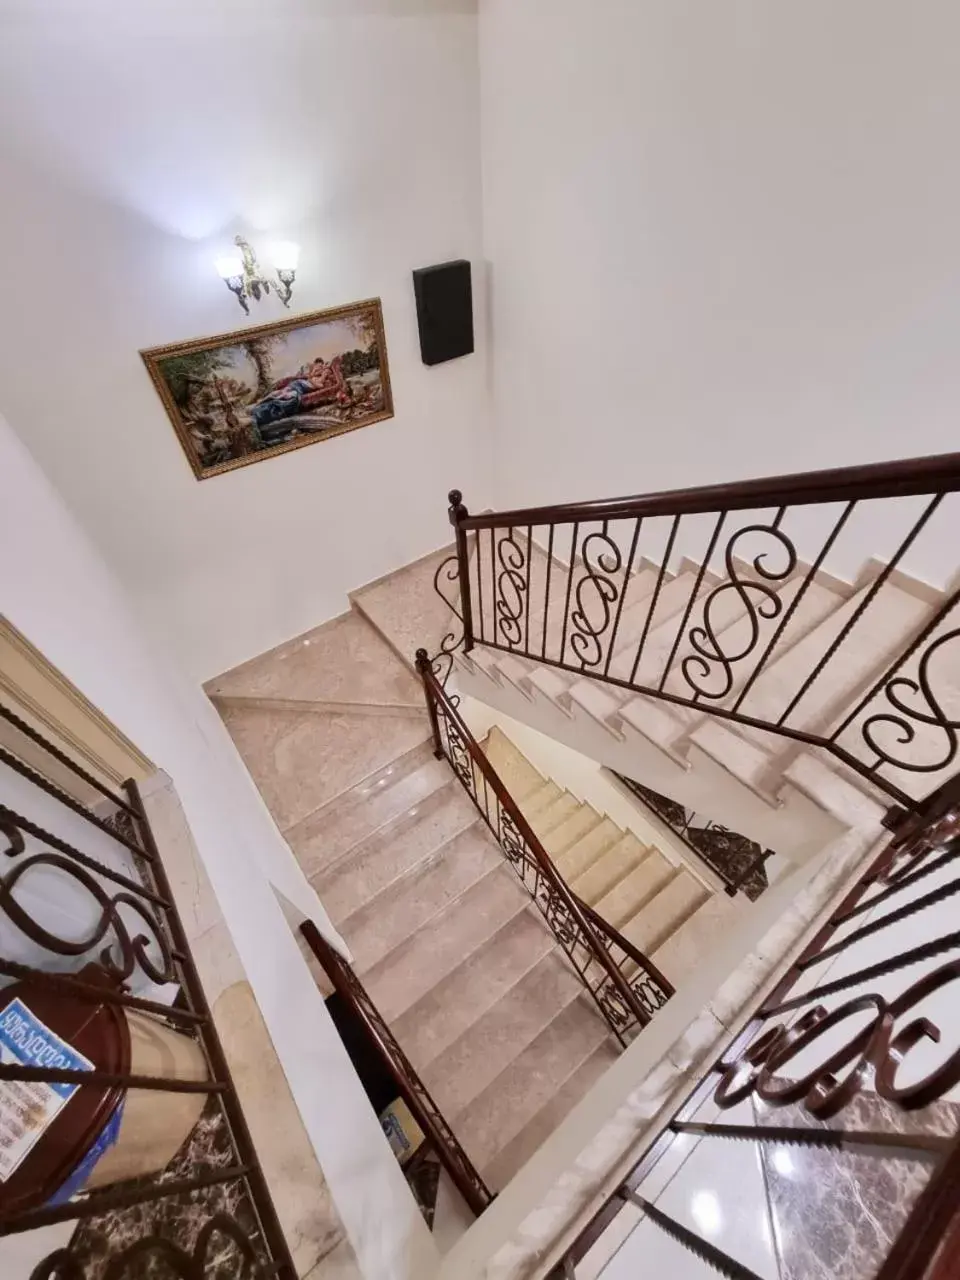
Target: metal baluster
point(863, 606)
point(623, 592)
point(566, 607)
point(546, 594)
point(792, 607)
point(693, 596)
point(654, 598)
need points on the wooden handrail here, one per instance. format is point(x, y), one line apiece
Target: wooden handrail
point(410, 1087)
point(584, 917)
point(903, 478)
point(626, 946)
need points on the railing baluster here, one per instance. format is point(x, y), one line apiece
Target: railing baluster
point(546, 593)
point(693, 596)
point(628, 566)
point(792, 607)
point(526, 629)
point(655, 596)
point(566, 607)
point(863, 606)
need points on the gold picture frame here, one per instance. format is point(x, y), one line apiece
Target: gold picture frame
point(245, 396)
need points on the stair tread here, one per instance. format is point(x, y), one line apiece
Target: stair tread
point(579, 857)
point(516, 772)
point(684, 949)
point(519, 1092)
point(888, 621)
point(374, 930)
point(545, 818)
point(454, 1004)
point(394, 851)
point(664, 913)
point(742, 758)
point(538, 800)
point(501, 1034)
point(609, 869)
point(418, 964)
point(535, 1132)
point(637, 888)
point(575, 827)
point(331, 831)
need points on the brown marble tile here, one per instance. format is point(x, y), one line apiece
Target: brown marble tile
point(836, 1214)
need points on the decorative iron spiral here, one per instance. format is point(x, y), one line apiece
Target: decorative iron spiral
point(905, 723)
point(700, 666)
point(511, 589)
point(139, 1258)
point(441, 663)
point(133, 950)
point(597, 592)
point(877, 1052)
point(459, 756)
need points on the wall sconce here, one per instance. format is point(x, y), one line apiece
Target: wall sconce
point(241, 273)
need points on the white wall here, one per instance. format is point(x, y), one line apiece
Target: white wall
point(138, 139)
point(722, 238)
point(57, 590)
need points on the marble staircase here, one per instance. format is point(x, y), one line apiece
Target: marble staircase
point(440, 930)
point(665, 910)
point(774, 789)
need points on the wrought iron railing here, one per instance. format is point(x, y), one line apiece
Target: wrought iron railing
point(553, 584)
point(839, 1059)
point(737, 860)
point(410, 1087)
point(208, 1213)
point(627, 987)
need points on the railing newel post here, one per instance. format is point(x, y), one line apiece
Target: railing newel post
point(458, 513)
point(425, 670)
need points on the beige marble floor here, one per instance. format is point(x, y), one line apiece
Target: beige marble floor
point(406, 609)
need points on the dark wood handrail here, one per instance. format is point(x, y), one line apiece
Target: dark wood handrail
point(409, 1085)
point(903, 478)
point(626, 946)
point(437, 695)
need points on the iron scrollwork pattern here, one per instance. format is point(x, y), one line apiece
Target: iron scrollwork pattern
point(511, 588)
point(700, 666)
point(907, 715)
point(133, 948)
point(446, 577)
point(597, 592)
point(555, 908)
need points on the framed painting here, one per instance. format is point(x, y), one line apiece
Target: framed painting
point(240, 397)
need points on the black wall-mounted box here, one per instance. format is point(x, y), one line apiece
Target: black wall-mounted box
point(444, 311)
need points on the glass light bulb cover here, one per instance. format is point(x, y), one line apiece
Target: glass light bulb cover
point(285, 255)
point(228, 266)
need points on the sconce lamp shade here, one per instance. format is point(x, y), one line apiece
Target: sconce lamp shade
point(285, 255)
point(228, 267)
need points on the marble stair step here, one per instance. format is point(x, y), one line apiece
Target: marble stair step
point(374, 930)
point(439, 946)
point(574, 828)
point(639, 587)
point(456, 1003)
point(531, 1080)
point(664, 913)
point(638, 887)
point(579, 857)
point(405, 608)
point(545, 818)
point(488, 1047)
point(602, 702)
point(395, 850)
point(539, 800)
point(331, 831)
point(548, 1119)
point(884, 628)
point(610, 869)
point(685, 948)
point(516, 772)
point(553, 685)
